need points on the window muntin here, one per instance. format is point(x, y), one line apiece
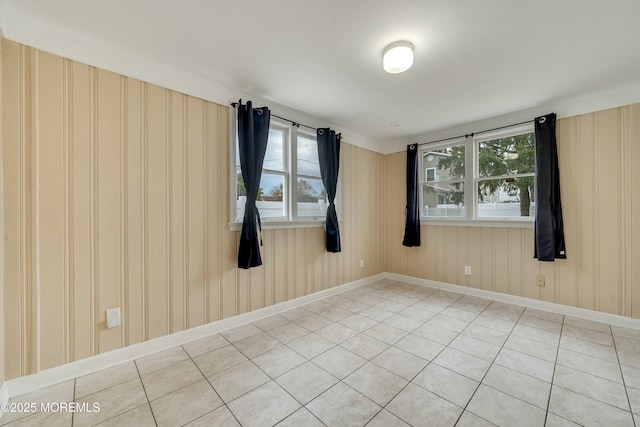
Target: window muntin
point(291, 162)
point(486, 177)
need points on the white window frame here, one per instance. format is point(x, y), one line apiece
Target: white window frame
point(472, 179)
point(423, 177)
point(290, 220)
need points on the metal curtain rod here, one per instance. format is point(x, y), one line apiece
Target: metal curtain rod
point(467, 135)
point(235, 104)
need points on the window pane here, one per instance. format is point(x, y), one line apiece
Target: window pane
point(311, 198)
point(271, 196)
point(270, 201)
point(507, 156)
point(508, 197)
point(274, 157)
point(443, 199)
point(443, 164)
point(308, 163)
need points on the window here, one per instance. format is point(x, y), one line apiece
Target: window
point(506, 169)
point(490, 176)
point(290, 186)
point(311, 198)
point(430, 174)
point(443, 181)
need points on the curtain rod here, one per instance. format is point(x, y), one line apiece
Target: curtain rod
point(235, 104)
point(467, 135)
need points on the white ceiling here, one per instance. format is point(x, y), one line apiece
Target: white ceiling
point(473, 59)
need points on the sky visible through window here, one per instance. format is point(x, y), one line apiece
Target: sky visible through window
point(274, 159)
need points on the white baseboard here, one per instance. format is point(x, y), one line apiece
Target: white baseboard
point(582, 313)
point(58, 374)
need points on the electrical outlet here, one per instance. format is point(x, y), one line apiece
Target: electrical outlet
point(113, 317)
point(467, 270)
point(541, 280)
point(361, 263)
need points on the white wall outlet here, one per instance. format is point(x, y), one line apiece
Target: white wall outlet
point(361, 263)
point(467, 270)
point(541, 280)
point(113, 317)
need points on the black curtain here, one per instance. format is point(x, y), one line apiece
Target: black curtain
point(549, 228)
point(329, 156)
point(253, 131)
point(412, 213)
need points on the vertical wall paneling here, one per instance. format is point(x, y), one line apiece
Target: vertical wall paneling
point(67, 210)
point(195, 212)
point(633, 229)
point(596, 153)
point(108, 204)
point(50, 198)
point(607, 209)
point(124, 264)
point(625, 185)
point(586, 210)
point(116, 195)
point(1, 230)
point(567, 280)
point(14, 145)
point(135, 266)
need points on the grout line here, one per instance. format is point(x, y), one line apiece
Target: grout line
point(492, 362)
point(209, 382)
point(378, 290)
point(624, 384)
point(135, 363)
point(73, 414)
point(553, 375)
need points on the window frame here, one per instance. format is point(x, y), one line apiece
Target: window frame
point(290, 174)
point(295, 176)
point(472, 179)
point(426, 175)
point(422, 179)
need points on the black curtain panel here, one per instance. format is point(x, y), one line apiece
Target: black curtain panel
point(412, 214)
point(549, 228)
point(253, 132)
point(329, 156)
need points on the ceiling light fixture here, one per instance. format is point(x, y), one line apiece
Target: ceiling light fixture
point(397, 57)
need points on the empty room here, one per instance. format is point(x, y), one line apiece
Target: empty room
point(336, 213)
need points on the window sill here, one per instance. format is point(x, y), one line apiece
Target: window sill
point(493, 222)
point(280, 225)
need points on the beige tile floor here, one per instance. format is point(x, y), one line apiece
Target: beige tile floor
point(388, 354)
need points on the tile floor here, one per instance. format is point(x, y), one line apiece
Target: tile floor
point(388, 354)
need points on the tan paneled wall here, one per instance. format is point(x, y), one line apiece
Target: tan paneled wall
point(117, 195)
point(1, 234)
point(600, 183)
